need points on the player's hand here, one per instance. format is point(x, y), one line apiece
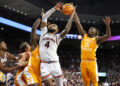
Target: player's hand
point(74, 10)
point(107, 20)
point(58, 6)
point(19, 65)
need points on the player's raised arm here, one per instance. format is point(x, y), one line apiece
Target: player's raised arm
point(33, 38)
point(68, 26)
point(78, 24)
point(101, 39)
point(49, 12)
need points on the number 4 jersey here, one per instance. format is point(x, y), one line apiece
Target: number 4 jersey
point(48, 46)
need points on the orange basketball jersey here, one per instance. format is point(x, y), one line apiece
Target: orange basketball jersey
point(88, 48)
point(19, 79)
point(21, 69)
point(34, 61)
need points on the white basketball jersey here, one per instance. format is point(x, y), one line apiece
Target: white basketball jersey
point(48, 46)
point(4, 60)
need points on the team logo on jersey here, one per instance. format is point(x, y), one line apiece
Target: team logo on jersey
point(48, 38)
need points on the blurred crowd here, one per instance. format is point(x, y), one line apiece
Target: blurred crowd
point(114, 72)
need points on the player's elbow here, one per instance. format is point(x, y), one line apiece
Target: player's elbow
point(66, 31)
point(109, 35)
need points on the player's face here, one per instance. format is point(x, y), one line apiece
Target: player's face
point(53, 27)
point(28, 48)
point(3, 45)
point(92, 31)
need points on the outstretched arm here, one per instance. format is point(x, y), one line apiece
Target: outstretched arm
point(6, 69)
point(33, 37)
point(11, 57)
point(68, 26)
point(78, 24)
point(101, 39)
point(49, 13)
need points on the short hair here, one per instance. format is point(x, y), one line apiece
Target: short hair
point(23, 46)
point(97, 31)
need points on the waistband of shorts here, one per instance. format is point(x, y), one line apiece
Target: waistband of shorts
point(88, 60)
point(49, 62)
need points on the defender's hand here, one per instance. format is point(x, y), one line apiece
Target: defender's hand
point(58, 6)
point(107, 20)
point(19, 65)
point(74, 10)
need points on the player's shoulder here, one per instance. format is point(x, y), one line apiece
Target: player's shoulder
point(84, 35)
point(98, 38)
point(23, 54)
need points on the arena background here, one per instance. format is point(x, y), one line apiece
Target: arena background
point(91, 13)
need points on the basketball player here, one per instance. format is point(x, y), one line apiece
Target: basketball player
point(23, 61)
point(32, 71)
point(89, 44)
point(4, 56)
point(26, 50)
point(49, 41)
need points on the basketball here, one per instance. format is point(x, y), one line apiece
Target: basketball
point(67, 9)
